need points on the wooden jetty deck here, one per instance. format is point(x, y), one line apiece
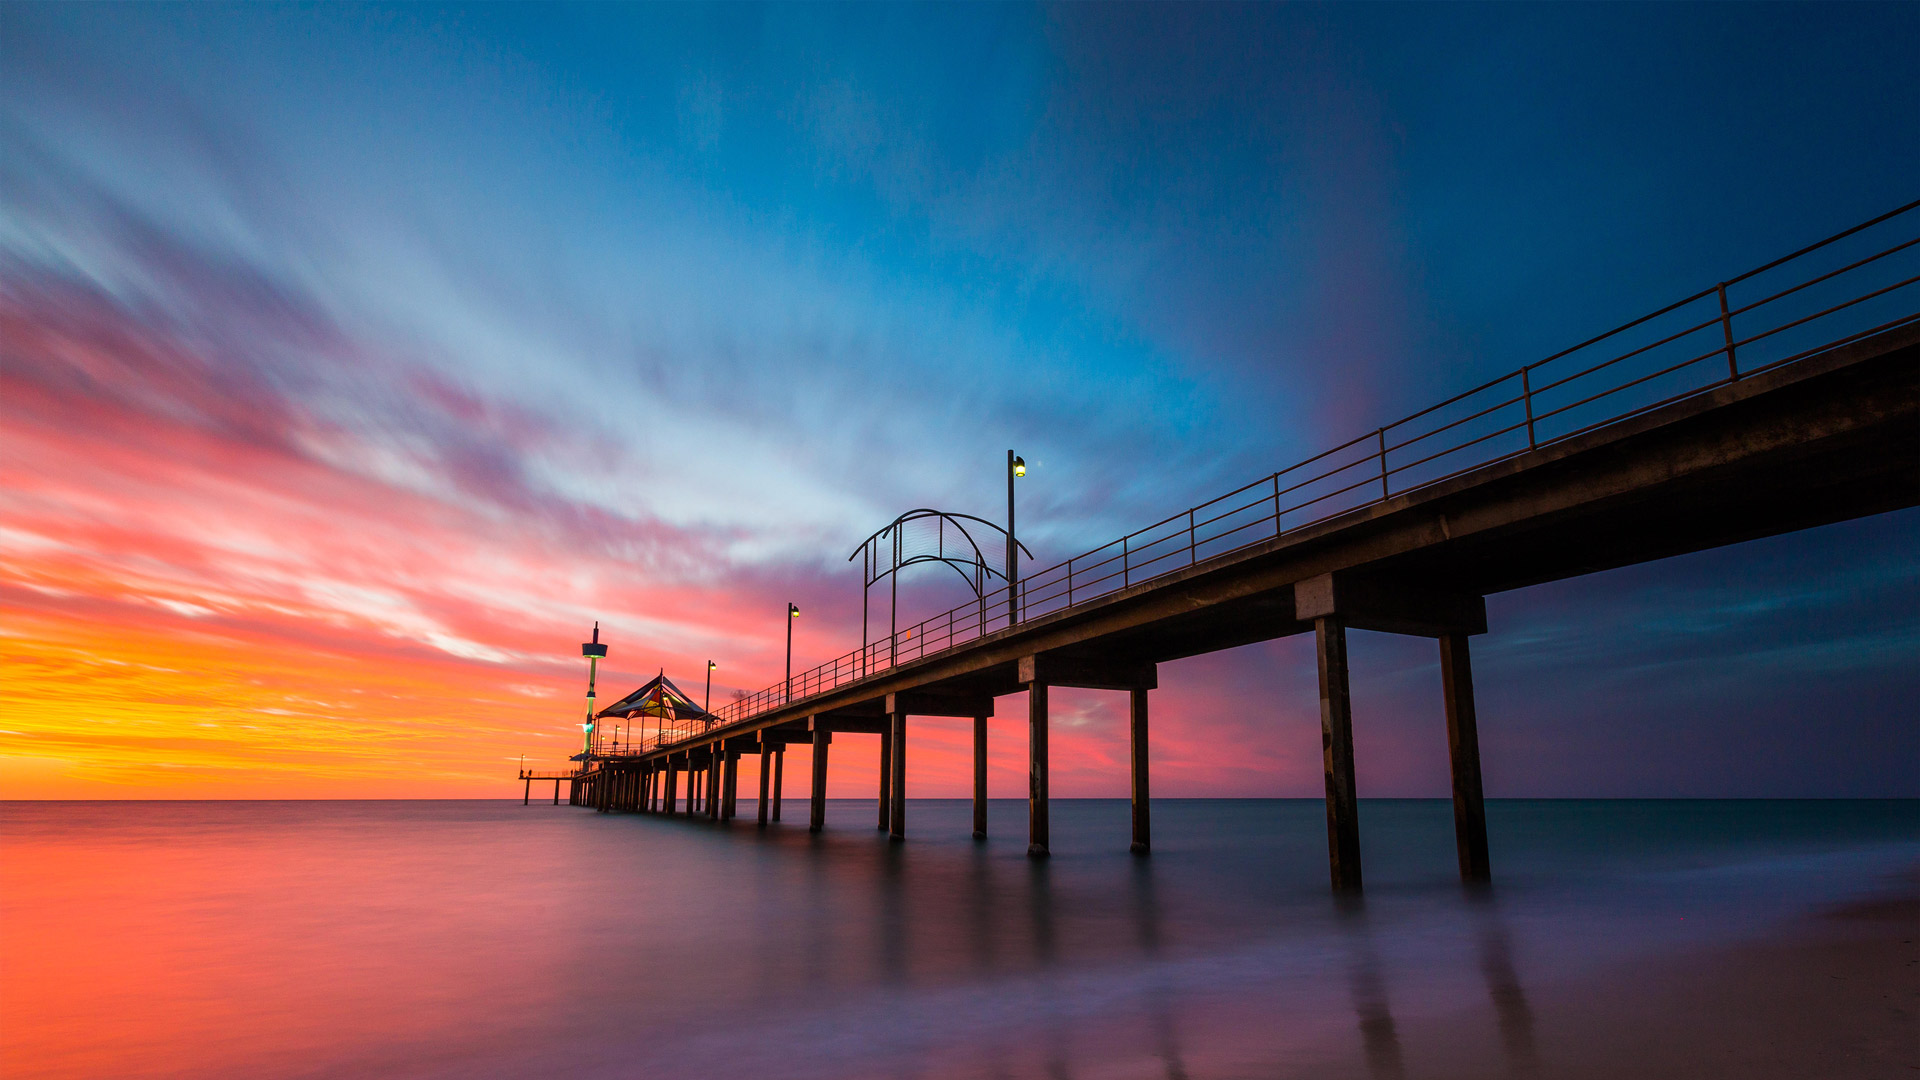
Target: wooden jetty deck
point(1712, 421)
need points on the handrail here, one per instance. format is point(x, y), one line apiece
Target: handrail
point(1546, 410)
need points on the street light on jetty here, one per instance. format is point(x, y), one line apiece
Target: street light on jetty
point(708, 703)
point(593, 651)
point(1016, 466)
point(792, 614)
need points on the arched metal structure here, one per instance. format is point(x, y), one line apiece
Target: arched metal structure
point(953, 544)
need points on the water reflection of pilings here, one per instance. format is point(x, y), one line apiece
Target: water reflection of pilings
point(980, 910)
point(1511, 1011)
point(893, 961)
point(1159, 996)
point(1379, 1037)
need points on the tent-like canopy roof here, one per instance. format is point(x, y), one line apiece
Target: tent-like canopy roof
point(659, 698)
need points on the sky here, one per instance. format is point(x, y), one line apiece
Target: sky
point(355, 361)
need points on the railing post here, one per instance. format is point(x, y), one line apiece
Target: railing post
point(1276, 505)
point(1726, 327)
point(1383, 463)
point(1123, 563)
point(1193, 549)
point(1069, 582)
point(1526, 394)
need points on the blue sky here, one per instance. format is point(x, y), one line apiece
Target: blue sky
point(701, 295)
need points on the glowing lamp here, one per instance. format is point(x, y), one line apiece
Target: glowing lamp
point(1019, 466)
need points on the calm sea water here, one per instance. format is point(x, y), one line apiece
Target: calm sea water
point(488, 939)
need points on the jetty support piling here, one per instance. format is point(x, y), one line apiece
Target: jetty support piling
point(980, 777)
point(886, 777)
point(897, 767)
point(766, 781)
point(1336, 751)
point(1037, 839)
point(1137, 731)
point(817, 812)
point(779, 766)
point(1463, 751)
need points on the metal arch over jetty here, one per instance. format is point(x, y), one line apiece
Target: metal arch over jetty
point(1783, 399)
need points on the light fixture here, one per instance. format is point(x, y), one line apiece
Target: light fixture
point(1019, 466)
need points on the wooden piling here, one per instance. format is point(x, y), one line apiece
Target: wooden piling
point(1037, 840)
point(766, 761)
point(817, 817)
point(1463, 749)
point(1336, 745)
point(979, 778)
point(779, 766)
point(897, 766)
point(1142, 821)
point(886, 776)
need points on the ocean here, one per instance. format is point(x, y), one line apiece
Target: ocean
point(490, 939)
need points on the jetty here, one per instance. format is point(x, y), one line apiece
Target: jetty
point(1781, 399)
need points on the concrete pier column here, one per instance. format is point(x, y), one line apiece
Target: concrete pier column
point(979, 778)
point(779, 766)
point(730, 802)
point(671, 798)
point(817, 818)
point(897, 766)
point(1142, 822)
point(886, 775)
point(556, 791)
point(766, 781)
point(526, 794)
point(1037, 839)
point(1336, 745)
point(1463, 748)
point(716, 772)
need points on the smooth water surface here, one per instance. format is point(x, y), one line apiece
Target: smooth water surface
point(491, 939)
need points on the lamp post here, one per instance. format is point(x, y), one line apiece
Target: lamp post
point(1016, 466)
point(708, 703)
point(792, 614)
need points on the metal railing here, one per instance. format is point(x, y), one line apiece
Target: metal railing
point(1852, 285)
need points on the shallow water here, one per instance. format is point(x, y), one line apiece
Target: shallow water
point(480, 939)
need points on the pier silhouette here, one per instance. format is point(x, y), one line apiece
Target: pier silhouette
point(1781, 399)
